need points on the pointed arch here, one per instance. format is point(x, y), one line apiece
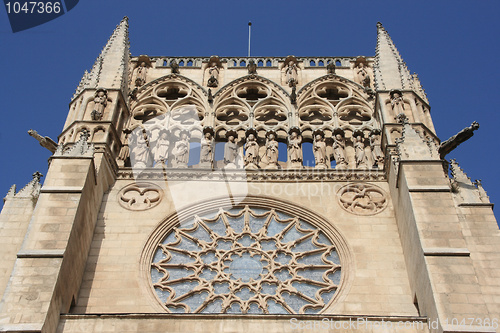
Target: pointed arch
point(167, 94)
point(257, 102)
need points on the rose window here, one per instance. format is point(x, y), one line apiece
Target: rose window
point(245, 260)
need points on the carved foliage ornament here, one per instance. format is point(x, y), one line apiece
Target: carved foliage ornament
point(362, 199)
point(245, 260)
point(140, 196)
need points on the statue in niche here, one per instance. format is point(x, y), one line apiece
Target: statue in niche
point(361, 75)
point(252, 67)
point(339, 149)
point(397, 103)
point(100, 101)
point(377, 155)
point(141, 72)
point(160, 151)
point(330, 68)
point(124, 153)
point(210, 97)
point(295, 148)
point(181, 151)
point(272, 151)
point(453, 142)
point(231, 151)
point(140, 153)
point(319, 151)
point(359, 152)
point(293, 96)
point(174, 67)
point(251, 151)
point(207, 147)
point(291, 74)
point(213, 71)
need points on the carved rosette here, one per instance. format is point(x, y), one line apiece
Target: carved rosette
point(246, 260)
point(140, 196)
point(362, 198)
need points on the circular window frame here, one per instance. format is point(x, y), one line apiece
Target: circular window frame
point(328, 228)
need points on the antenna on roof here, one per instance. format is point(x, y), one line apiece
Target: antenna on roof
point(249, 35)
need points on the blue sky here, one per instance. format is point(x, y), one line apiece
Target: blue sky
point(452, 45)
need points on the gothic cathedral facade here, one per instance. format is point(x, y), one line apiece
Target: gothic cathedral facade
point(226, 194)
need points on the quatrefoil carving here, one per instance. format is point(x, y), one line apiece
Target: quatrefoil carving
point(140, 196)
point(362, 199)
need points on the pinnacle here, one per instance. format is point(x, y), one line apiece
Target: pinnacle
point(108, 70)
point(391, 71)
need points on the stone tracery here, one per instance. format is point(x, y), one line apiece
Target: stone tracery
point(140, 196)
point(329, 104)
point(362, 199)
point(246, 260)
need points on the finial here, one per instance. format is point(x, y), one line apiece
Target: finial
point(402, 118)
point(37, 176)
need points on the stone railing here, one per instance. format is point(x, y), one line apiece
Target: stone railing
point(237, 62)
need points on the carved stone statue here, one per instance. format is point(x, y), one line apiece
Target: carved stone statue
point(174, 67)
point(361, 75)
point(100, 101)
point(319, 150)
point(272, 151)
point(330, 68)
point(453, 142)
point(252, 67)
point(210, 97)
point(124, 154)
point(160, 151)
point(207, 148)
point(359, 152)
point(140, 76)
point(377, 155)
point(140, 154)
point(397, 103)
point(291, 74)
point(295, 149)
point(213, 71)
point(181, 151)
point(339, 151)
point(231, 151)
point(251, 152)
point(293, 96)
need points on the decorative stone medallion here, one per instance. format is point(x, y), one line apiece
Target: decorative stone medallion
point(140, 196)
point(362, 198)
point(244, 260)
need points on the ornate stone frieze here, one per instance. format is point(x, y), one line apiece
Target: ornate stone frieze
point(258, 175)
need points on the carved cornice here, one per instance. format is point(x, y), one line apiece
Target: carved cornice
point(305, 175)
